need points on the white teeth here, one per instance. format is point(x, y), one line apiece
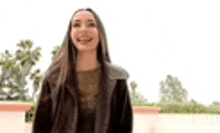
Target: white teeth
point(84, 40)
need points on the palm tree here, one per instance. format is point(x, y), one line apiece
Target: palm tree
point(16, 67)
point(28, 57)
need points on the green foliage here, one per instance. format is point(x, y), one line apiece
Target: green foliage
point(193, 101)
point(136, 97)
point(215, 103)
point(55, 51)
point(179, 108)
point(145, 105)
point(15, 67)
point(37, 78)
point(215, 107)
point(11, 82)
point(29, 116)
point(185, 108)
point(27, 55)
point(171, 90)
point(133, 85)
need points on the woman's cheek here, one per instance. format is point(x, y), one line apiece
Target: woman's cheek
point(73, 38)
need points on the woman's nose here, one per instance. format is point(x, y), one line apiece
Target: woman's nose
point(83, 28)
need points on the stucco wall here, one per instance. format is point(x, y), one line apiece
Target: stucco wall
point(176, 123)
point(12, 122)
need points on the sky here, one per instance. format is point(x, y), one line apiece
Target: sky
point(149, 39)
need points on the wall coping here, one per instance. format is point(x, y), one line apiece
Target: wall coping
point(146, 110)
point(15, 107)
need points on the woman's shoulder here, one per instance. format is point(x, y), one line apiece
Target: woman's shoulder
point(116, 71)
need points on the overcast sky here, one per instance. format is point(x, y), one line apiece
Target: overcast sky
point(150, 39)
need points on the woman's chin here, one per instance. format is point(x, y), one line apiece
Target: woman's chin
point(86, 48)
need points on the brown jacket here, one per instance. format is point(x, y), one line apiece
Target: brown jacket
point(114, 111)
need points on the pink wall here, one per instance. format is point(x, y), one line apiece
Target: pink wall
point(11, 122)
point(191, 123)
point(12, 117)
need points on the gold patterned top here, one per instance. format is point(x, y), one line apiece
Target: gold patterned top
point(88, 82)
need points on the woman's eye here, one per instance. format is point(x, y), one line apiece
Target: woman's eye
point(76, 25)
point(92, 25)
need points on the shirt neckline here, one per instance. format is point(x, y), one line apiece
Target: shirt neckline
point(90, 70)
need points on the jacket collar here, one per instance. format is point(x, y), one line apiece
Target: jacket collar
point(115, 72)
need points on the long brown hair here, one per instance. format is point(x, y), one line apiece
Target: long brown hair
point(62, 71)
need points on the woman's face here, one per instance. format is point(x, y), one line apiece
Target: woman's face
point(84, 32)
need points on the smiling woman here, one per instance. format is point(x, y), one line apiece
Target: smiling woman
point(84, 33)
point(83, 92)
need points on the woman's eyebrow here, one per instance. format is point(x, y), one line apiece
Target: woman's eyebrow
point(89, 20)
point(76, 20)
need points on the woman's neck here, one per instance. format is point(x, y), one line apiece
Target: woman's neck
point(87, 61)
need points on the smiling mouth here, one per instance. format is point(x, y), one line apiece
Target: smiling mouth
point(84, 40)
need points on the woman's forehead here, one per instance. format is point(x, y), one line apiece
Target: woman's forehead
point(83, 14)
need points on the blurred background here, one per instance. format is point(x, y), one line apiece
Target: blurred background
point(170, 48)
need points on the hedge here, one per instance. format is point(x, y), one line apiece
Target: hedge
point(165, 108)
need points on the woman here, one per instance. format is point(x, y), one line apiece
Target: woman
point(82, 91)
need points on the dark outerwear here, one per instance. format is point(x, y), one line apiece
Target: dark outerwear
point(114, 112)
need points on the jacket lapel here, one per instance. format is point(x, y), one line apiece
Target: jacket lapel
point(75, 109)
point(104, 103)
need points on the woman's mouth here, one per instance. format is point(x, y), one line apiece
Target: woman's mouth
point(84, 40)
